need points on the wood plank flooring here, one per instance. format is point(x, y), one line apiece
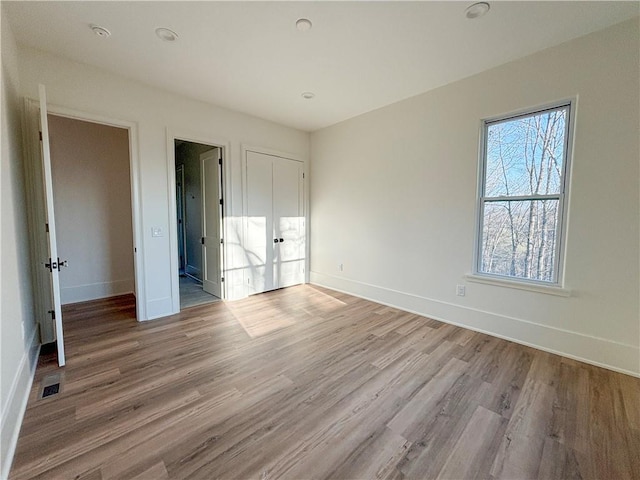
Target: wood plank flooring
point(309, 383)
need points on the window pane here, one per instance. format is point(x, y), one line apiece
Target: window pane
point(519, 239)
point(525, 155)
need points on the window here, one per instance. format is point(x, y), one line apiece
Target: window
point(523, 177)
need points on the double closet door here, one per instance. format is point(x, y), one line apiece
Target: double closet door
point(275, 222)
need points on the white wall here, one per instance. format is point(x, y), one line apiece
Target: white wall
point(18, 339)
point(87, 89)
point(393, 198)
point(92, 199)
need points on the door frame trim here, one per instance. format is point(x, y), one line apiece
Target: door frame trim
point(183, 208)
point(173, 135)
point(134, 179)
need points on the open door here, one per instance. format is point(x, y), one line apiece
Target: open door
point(210, 162)
point(54, 264)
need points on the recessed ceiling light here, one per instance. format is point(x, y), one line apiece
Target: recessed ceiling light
point(304, 24)
point(166, 35)
point(308, 95)
point(477, 10)
point(100, 31)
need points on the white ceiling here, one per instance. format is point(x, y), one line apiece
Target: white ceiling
point(359, 56)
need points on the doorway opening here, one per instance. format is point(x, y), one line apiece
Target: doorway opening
point(83, 147)
point(199, 216)
point(90, 167)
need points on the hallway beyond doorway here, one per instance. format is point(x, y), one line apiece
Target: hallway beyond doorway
point(192, 294)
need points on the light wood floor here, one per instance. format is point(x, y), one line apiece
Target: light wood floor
point(309, 383)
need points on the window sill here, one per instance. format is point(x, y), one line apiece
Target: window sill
point(530, 287)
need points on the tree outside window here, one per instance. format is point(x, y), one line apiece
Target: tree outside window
point(524, 169)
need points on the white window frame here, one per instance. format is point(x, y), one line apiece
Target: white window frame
point(542, 286)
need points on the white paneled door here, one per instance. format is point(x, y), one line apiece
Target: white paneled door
point(275, 222)
point(288, 221)
point(260, 237)
point(53, 263)
point(211, 222)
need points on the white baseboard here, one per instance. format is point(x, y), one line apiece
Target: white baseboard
point(194, 271)
point(160, 307)
point(16, 405)
point(194, 278)
point(95, 291)
point(236, 292)
point(236, 283)
point(597, 351)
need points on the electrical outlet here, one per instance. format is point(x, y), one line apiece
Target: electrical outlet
point(460, 290)
point(156, 232)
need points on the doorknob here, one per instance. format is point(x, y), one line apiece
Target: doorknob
point(275, 240)
point(281, 240)
point(63, 263)
point(51, 266)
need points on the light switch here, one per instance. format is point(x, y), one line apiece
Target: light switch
point(156, 232)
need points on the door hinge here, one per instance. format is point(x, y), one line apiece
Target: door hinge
point(222, 279)
point(40, 135)
point(46, 227)
point(222, 240)
point(219, 161)
point(303, 175)
point(202, 240)
point(53, 314)
point(221, 201)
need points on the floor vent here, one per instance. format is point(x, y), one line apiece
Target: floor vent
point(50, 390)
point(51, 385)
